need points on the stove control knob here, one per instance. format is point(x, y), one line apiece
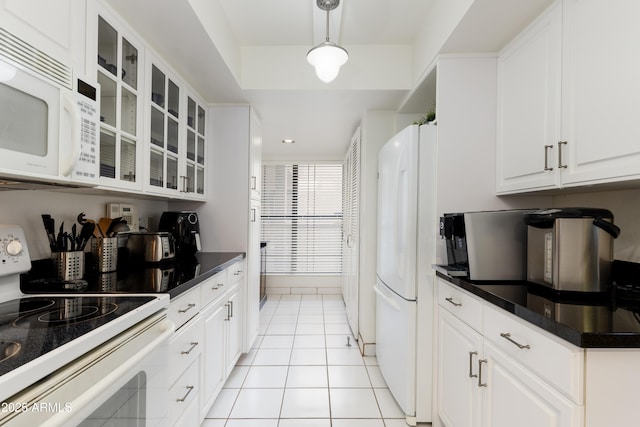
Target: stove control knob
point(13, 248)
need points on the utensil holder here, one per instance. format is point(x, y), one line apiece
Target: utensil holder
point(105, 253)
point(69, 265)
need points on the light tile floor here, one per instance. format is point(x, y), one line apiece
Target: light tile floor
point(301, 373)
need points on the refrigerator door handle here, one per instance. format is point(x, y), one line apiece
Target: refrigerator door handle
point(385, 298)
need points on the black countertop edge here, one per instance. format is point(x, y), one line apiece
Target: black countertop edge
point(578, 338)
point(211, 263)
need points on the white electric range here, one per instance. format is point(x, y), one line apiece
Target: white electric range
point(72, 359)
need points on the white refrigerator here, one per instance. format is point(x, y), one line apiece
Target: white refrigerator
point(406, 233)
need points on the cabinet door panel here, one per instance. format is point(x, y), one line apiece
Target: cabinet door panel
point(514, 396)
point(213, 368)
point(529, 107)
point(600, 91)
point(235, 325)
point(459, 397)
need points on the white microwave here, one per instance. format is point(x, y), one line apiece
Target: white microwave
point(49, 119)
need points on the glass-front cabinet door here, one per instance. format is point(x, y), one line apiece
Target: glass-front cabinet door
point(164, 132)
point(194, 180)
point(118, 64)
point(176, 147)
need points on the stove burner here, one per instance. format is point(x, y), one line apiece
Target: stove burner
point(71, 312)
point(9, 349)
point(24, 306)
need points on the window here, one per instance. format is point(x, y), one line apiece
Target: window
point(302, 218)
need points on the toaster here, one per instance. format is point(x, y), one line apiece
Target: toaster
point(151, 247)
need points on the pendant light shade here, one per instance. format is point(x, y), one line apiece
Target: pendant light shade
point(327, 57)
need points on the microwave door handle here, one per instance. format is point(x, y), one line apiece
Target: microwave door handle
point(67, 165)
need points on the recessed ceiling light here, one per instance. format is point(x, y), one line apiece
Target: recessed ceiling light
point(288, 141)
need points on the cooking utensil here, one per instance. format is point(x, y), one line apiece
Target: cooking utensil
point(60, 240)
point(112, 223)
point(49, 227)
point(103, 224)
point(86, 232)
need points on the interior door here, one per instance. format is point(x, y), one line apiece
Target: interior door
point(398, 212)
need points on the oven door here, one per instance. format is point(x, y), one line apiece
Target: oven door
point(121, 383)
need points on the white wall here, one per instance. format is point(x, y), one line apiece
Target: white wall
point(466, 117)
point(25, 208)
point(625, 206)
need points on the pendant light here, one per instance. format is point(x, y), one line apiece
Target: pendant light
point(327, 57)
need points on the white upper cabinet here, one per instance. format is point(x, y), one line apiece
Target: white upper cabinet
point(600, 91)
point(54, 27)
point(567, 91)
point(255, 156)
point(164, 109)
point(175, 154)
point(529, 106)
point(116, 58)
point(194, 164)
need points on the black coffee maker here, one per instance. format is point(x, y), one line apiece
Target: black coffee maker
point(185, 228)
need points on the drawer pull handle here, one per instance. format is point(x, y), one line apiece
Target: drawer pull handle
point(456, 304)
point(189, 390)
point(216, 287)
point(480, 362)
point(237, 273)
point(193, 345)
point(507, 336)
point(471, 354)
point(189, 307)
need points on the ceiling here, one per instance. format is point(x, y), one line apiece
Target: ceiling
point(251, 51)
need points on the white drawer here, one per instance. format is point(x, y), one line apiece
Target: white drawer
point(213, 287)
point(184, 307)
point(183, 392)
point(185, 347)
point(556, 361)
point(190, 417)
point(461, 304)
point(236, 272)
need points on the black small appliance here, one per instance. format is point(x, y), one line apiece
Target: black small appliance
point(185, 228)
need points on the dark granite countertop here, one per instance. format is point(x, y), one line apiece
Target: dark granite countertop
point(172, 277)
point(590, 320)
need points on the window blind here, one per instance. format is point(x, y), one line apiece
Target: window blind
point(302, 218)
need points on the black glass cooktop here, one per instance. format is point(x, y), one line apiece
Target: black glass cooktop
point(33, 326)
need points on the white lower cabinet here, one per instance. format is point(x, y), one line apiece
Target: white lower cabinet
point(184, 362)
point(512, 395)
point(479, 384)
point(214, 367)
point(207, 343)
point(459, 398)
point(234, 328)
point(223, 337)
